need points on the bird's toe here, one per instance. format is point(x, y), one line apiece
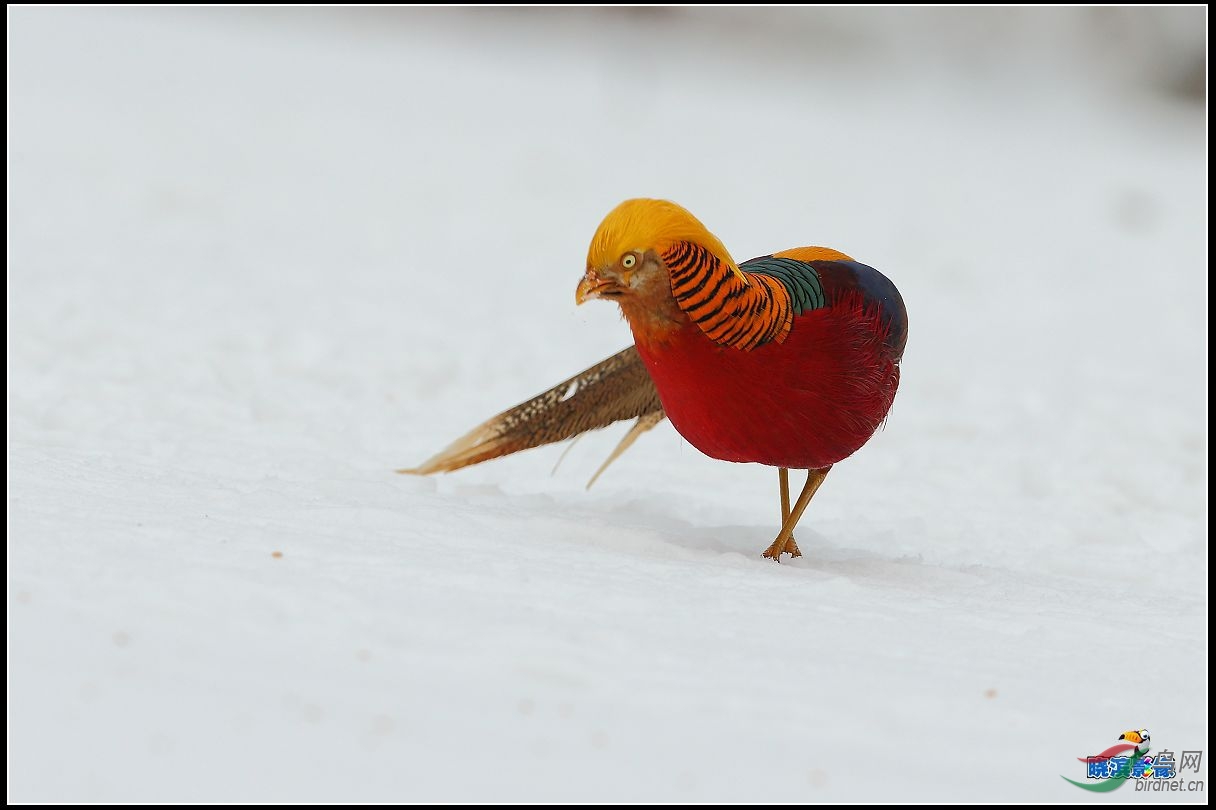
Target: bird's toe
point(782, 546)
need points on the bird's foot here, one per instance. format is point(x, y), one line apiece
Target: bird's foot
point(779, 547)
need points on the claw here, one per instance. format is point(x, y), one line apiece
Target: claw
point(780, 547)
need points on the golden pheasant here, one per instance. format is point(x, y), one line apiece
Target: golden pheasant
point(790, 360)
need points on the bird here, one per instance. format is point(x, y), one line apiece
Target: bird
point(1136, 737)
point(789, 360)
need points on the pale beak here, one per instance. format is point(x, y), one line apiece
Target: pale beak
point(592, 286)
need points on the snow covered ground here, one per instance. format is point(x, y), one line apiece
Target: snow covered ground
point(258, 259)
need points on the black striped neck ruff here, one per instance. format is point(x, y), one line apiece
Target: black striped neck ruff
point(741, 310)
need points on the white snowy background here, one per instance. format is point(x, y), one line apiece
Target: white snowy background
point(258, 259)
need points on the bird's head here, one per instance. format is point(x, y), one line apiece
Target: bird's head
point(625, 260)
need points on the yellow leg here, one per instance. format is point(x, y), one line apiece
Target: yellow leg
point(783, 475)
point(786, 536)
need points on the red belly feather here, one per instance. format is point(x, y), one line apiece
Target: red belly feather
point(805, 403)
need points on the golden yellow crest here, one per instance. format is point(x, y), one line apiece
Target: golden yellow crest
point(645, 224)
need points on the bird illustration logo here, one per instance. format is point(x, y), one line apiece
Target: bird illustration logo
point(1135, 737)
point(1124, 760)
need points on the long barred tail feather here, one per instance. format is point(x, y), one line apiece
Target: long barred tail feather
point(645, 422)
point(613, 390)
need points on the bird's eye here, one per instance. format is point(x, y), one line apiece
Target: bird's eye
point(629, 261)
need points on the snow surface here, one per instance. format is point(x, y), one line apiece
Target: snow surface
point(258, 259)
